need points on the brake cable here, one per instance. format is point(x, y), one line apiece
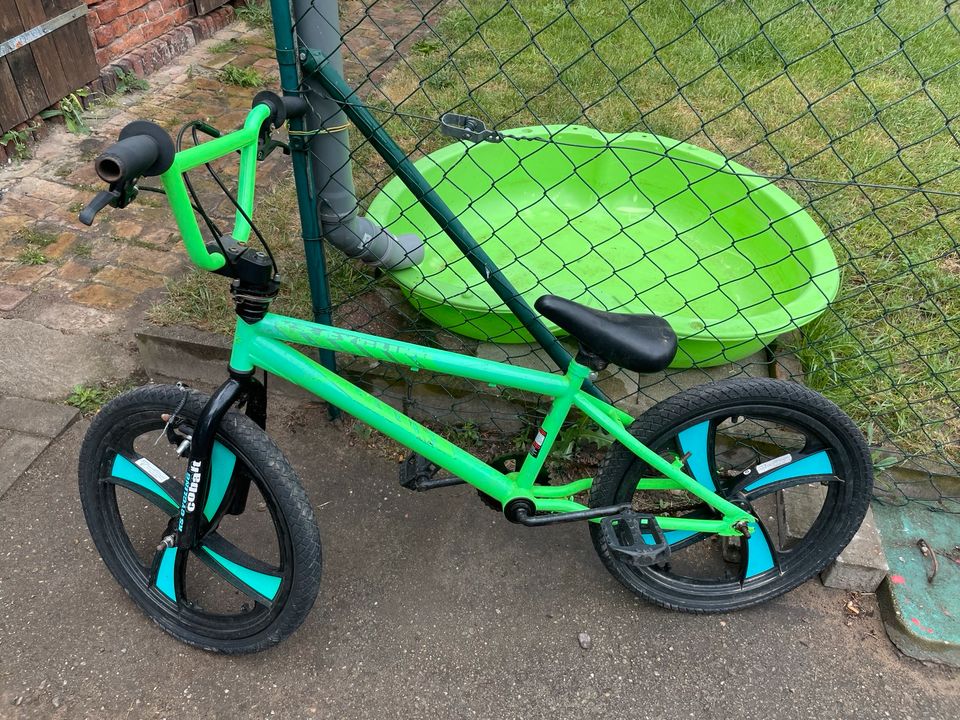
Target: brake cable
point(211, 225)
point(233, 200)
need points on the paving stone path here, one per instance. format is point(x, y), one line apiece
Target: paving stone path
point(71, 296)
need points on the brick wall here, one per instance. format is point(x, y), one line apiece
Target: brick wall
point(119, 26)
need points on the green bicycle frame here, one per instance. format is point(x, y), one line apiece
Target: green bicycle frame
point(264, 345)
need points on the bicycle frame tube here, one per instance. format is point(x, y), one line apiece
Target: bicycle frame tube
point(263, 345)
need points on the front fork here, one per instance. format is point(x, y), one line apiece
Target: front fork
point(190, 524)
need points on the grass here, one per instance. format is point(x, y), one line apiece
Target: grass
point(242, 77)
point(200, 299)
point(255, 13)
point(887, 349)
point(841, 93)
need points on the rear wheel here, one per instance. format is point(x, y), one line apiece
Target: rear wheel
point(255, 576)
point(780, 451)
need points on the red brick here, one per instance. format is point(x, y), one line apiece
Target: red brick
point(181, 40)
point(122, 25)
point(184, 14)
point(154, 10)
point(109, 79)
point(159, 27)
point(104, 35)
point(96, 89)
point(126, 6)
point(108, 12)
point(137, 64)
point(151, 61)
point(121, 46)
point(93, 21)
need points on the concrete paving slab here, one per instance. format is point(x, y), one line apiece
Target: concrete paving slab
point(35, 417)
point(431, 606)
point(77, 318)
point(17, 453)
point(862, 565)
point(47, 364)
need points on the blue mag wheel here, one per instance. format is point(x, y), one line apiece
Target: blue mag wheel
point(777, 449)
point(254, 577)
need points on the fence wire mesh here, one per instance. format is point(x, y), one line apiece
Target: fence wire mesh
point(701, 160)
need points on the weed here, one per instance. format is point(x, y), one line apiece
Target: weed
point(134, 242)
point(35, 237)
point(71, 110)
point(19, 138)
point(88, 399)
point(465, 435)
point(242, 77)
point(75, 207)
point(128, 81)
point(83, 250)
point(227, 46)
point(31, 256)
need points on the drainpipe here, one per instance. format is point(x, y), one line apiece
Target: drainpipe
point(318, 28)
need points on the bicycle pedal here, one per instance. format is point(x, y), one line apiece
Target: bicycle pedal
point(637, 537)
point(419, 474)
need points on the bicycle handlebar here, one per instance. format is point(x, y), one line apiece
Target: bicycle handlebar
point(145, 149)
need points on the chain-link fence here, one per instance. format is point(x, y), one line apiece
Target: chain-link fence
point(702, 160)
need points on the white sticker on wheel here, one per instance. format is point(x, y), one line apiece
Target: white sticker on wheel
point(152, 470)
point(774, 464)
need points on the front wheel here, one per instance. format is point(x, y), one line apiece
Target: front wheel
point(778, 450)
point(256, 574)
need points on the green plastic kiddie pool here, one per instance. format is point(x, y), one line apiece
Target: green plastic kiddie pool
point(630, 223)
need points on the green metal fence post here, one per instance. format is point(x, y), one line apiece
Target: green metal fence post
point(309, 222)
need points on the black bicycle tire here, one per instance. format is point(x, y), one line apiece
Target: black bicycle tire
point(259, 453)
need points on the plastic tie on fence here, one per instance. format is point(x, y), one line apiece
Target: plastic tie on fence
point(465, 127)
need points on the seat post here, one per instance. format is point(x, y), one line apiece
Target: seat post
point(578, 370)
point(585, 356)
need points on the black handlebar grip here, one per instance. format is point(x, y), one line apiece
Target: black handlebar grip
point(281, 108)
point(128, 159)
point(295, 106)
point(144, 148)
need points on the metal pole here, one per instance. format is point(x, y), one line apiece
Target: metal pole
point(299, 153)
